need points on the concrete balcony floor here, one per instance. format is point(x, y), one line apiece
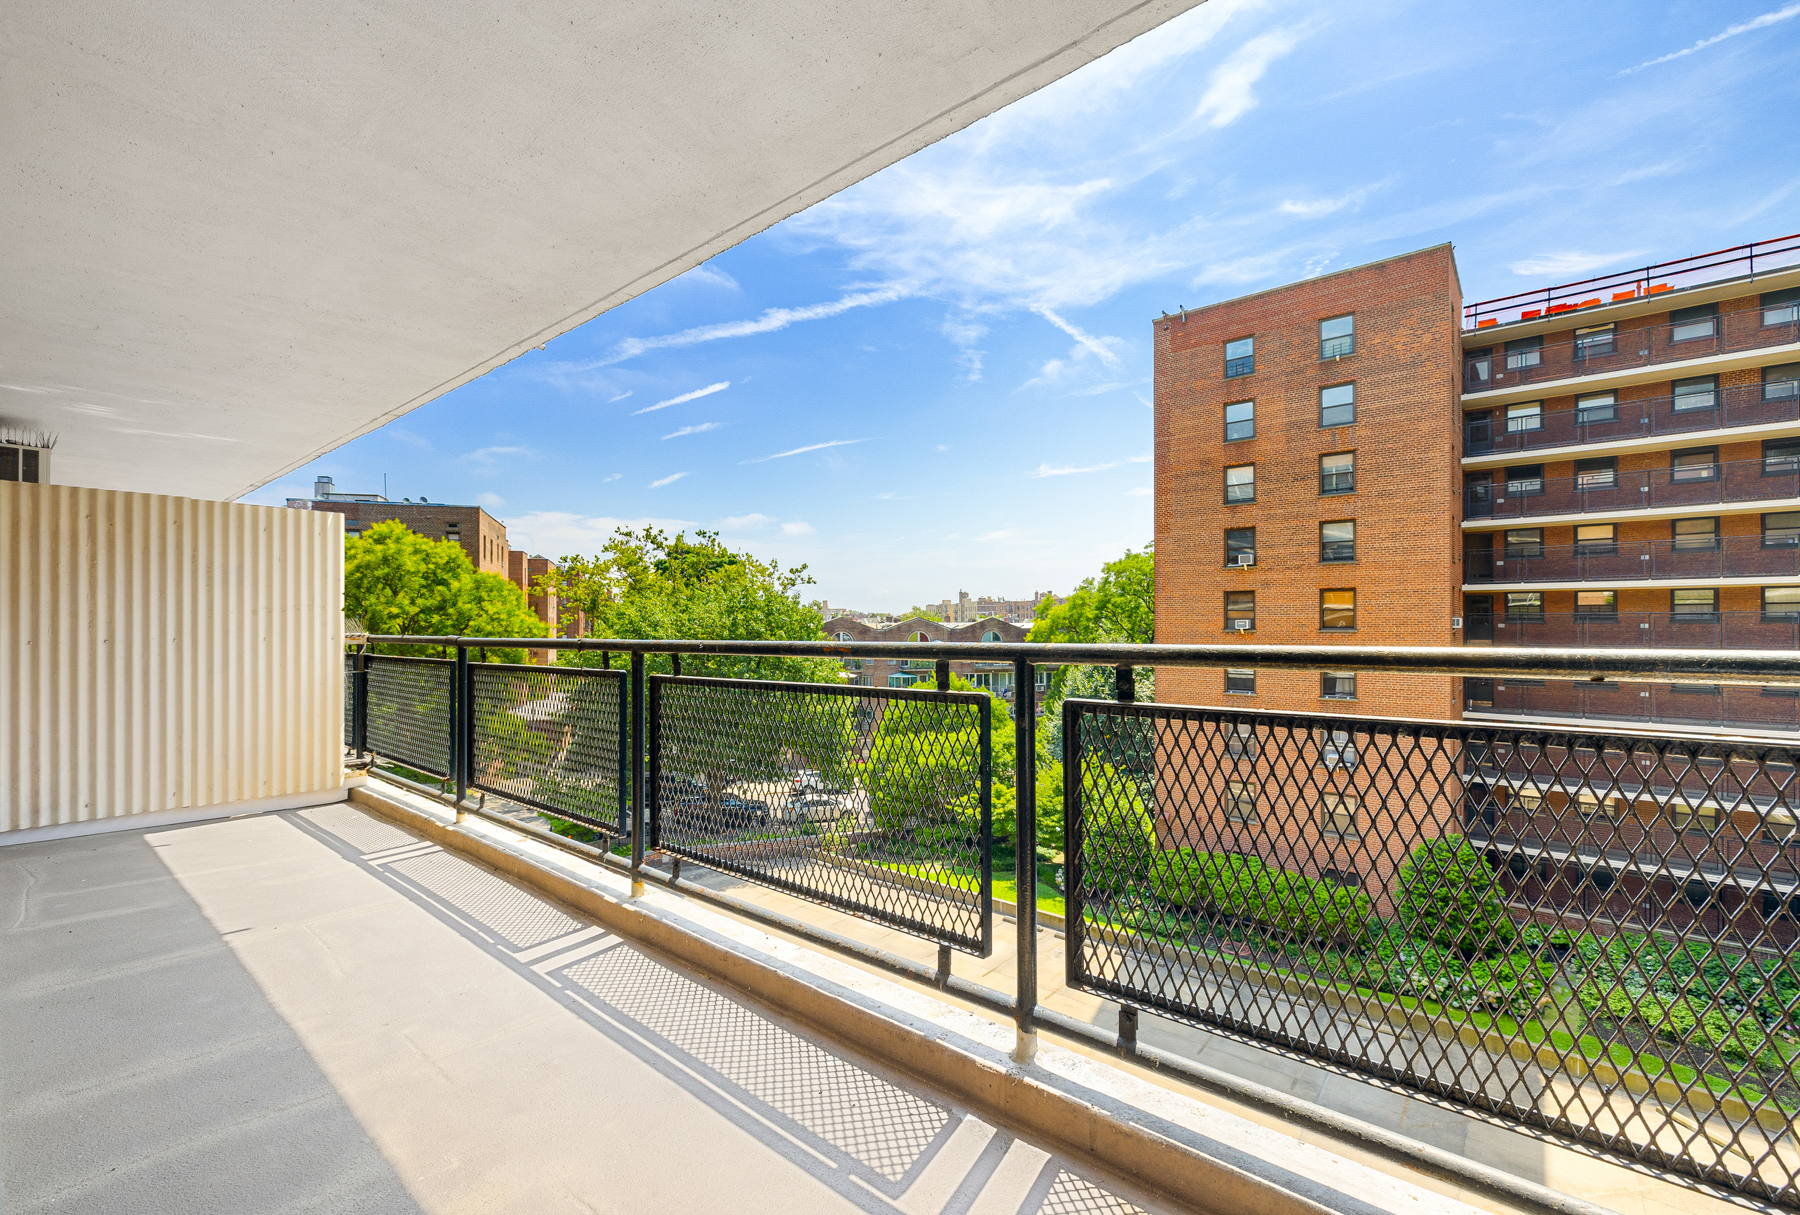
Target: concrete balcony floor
point(315, 1011)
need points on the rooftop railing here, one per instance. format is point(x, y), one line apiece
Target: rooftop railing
point(1624, 561)
point(1528, 361)
point(1331, 886)
point(1604, 419)
point(1693, 477)
point(1739, 261)
point(1516, 624)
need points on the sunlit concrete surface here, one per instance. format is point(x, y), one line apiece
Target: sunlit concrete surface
point(314, 1011)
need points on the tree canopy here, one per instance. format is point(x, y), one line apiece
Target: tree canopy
point(1117, 607)
point(647, 584)
point(397, 581)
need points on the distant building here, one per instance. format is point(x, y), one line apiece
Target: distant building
point(904, 673)
point(481, 536)
point(965, 608)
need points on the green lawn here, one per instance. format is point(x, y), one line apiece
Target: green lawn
point(1005, 888)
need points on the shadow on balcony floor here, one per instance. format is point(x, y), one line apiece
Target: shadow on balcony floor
point(317, 1011)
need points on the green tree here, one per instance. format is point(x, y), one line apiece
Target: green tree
point(1118, 607)
point(397, 581)
point(1446, 894)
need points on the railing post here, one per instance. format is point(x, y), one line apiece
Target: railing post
point(639, 803)
point(462, 718)
point(1125, 683)
point(359, 701)
point(1025, 857)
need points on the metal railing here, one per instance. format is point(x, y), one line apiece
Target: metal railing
point(1515, 494)
point(1701, 706)
point(1495, 432)
point(1390, 899)
point(1738, 262)
point(1633, 560)
point(1676, 630)
point(1741, 329)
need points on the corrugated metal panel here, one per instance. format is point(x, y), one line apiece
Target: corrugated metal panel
point(161, 653)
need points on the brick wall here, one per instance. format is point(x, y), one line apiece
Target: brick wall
point(482, 536)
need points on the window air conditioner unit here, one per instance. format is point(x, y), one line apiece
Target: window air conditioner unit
point(1456, 622)
point(1242, 626)
point(1246, 559)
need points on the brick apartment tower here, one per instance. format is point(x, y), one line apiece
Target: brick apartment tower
point(1337, 405)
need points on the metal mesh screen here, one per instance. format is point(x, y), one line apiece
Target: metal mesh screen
point(349, 701)
point(553, 740)
point(1591, 933)
point(409, 711)
point(871, 800)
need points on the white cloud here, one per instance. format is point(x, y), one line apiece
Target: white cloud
point(798, 528)
point(710, 275)
point(491, 501)
point(620, 397)
point(965, 331)
point(694, 430)
point(744, 523)
point(1101, 348)
point(1731, 31)
point(1070, 470)
point(408, 437)
point(486, 456)
point(561, 532)
point(771, 320)
point(1316, 208)
point(684, 398)
point(668, 480)
point(1142, 491)
point(1228, 96)
point(943, 447)
point(782, 455)
point(610, 477)
point(1558, 264)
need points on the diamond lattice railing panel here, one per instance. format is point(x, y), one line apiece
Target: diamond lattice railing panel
point(1589, 933)
point(871, 800)
point(349, 701)
point(553, 739)
point(409, 711)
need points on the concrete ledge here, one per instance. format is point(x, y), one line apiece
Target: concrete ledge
point(189, 814)
point(1194, 1154)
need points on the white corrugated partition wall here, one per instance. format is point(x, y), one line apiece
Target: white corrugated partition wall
point(162, 654)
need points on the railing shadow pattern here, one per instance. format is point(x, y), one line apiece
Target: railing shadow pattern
point(1591, 934)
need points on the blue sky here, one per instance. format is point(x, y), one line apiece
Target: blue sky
point(940, 378)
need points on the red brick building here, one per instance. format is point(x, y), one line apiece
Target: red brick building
point(902, 673)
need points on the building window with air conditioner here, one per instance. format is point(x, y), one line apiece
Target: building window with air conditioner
point(1240, 546)
point(1240, 611)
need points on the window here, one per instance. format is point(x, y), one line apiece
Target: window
point(1694, 602)
point(1240, 801)
point(1781, 307)
point(991, 635)
point(1478, 693)
point(1781, 457)
point(1588, 805)
point(1524, 542)
point(1694, 464)
point(1528, 800)
point(1695, 689)
point(1240, 421)
point(1593, 342)
point(1337, 473)
point(1599, 473)
point(1240, 610)
point(1527, 416)
point(842, 637)
point(1596, 407)
point(1338, 685)
point(1337, 405)
point(1337, 337)
point(1781, 382)
point(1695, 535)
point(1337, 813)
point(1596, 540)
point(1692, 324)
point(1240, 546)
point(1240, 483)
point(1240, 357)
point(1349, 879)
point(1240, 683)
point(1240, 739)
point(1695, 393)
point(1336, 750)
point(1040, 678)
point(853, 664)
point(1781, 529)
point(1689, 818)
point(1597, 603)
point(1524, 480)
point(995, 681)
point(1337, 609)
point(1478, 370)
point(1781, 603)
point(903, 681)
point(1524, 352)
point(1524, 605)
point(1337, 541)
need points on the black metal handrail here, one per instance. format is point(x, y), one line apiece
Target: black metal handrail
point(698, 751)
point(1634, 560)
point(1491, 432)
point(1516, 494)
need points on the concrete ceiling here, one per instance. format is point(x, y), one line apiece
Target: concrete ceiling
point(238, 234)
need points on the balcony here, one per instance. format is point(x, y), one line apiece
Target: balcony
point(1625, 561)
point(1674, 630)
point(1621, 421)
point(1717, 333)
point(1741, 262)
point(1690, 706)
point(1692, 479)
